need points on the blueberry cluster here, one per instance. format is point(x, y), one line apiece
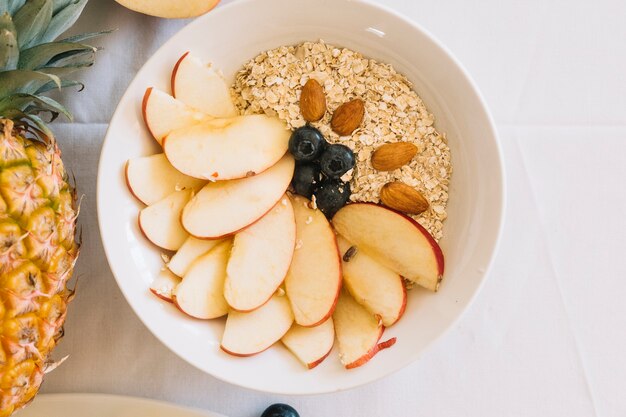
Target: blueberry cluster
point(319, 167)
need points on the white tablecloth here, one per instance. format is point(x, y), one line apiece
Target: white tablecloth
point(546, 336)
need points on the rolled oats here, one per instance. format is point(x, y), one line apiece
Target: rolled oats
point(271, 83)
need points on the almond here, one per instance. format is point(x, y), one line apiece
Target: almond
point(348, 117)
point(401, 197)
point(392, 156)
point(312, 101)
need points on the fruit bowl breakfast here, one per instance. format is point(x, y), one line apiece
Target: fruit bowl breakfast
point(286, 204)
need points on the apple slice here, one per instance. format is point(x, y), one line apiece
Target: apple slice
point(393, 239)
point(163, 114)
point(201, 292)
point(152, 178)
point(226, 149)
point(164, 284)
point(246, 334)
point(373, 285)
point(225, 207)
point(260, 258)
point(358, 332)
point(311, 345)
point(160, 222)
point(171, 9)
point(191, 250)
point(202, 87)
point(314, 278)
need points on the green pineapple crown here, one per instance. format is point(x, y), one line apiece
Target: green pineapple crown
point(32, 62)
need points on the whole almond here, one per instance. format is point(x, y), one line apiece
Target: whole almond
point(392, 156)
point(401, 197)
point(348, 117)
point(312, 101)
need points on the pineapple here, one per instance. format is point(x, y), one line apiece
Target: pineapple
point(38, 210)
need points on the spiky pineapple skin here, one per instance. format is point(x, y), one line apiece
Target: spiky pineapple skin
point(38, 251)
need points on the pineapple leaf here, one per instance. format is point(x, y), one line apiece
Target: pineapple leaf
point(31, 21)
point(24, 81)
point(9, 51)
point(60, 72)
point(85, 36)
point(79, 59)
point(63, 20)
point(11, 6)
point(64, 84)
point(39, 125)
point(45, 54)
point(35, 122)
point(59, 4)
point(29, 103)
point(6, 22)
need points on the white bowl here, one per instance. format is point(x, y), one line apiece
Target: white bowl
point(228, 37)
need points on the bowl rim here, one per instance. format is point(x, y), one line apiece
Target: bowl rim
point(499, 204)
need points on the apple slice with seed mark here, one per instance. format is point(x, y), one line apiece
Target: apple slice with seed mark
point(202, 87)
point(260, 258)
point(311, 345)
point(358, 332)
point(225, 149)
point(394, 240)
point(225, 207)
point(163, 114)
point(170, 9)
point(201, 292)
point(191, 250)
point(164, 284)
point(314, 278)
point(152, 178)
point(160, 222)
point(376, 287)
point(250, 333)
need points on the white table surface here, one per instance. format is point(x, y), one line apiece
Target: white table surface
point(546, 336)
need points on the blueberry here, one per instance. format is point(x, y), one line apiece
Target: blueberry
point(306, 143)
point(336, 160)
point(332, 195)
point(306, 178)
point(280, 410)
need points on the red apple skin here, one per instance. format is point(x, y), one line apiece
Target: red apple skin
point(231, 233)
point(161, 296)
point(216, 174)
point(377, 348)
point(373, 351)
point(144, 105)
point(281, 282)
point(244, 355)
point(403, 308)
point(320, 360)
point(187, 314)
point(174, 71)
point(143, 232)
point(433, 244)
point(181, 310)
point(252, 309)
point(340, 283)
point(129, 187)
